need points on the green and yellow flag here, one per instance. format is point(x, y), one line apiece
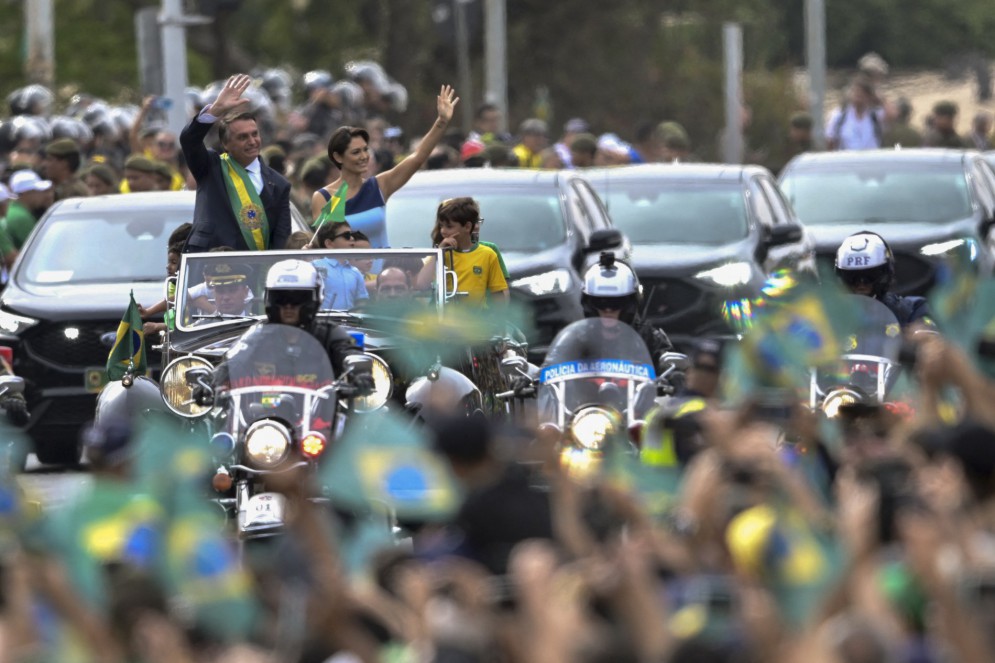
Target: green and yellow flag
point(334, 209)
point(128, 353)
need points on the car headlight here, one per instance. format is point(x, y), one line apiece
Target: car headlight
point(728, 275)
point(547, 283)
point(15, 324)
point(266, 443)
point(837, 399)
point(591, 426)
point(176, 393)
point(944, 248)
point(383, 382)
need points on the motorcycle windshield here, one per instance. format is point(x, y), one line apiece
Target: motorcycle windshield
point(870, 353)
point(273, 371)
point(596, 361)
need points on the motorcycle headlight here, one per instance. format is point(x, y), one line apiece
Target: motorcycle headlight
point(15, 324)
point(837, 399)
point(267, 443)
point(383, 382)
point(728, 275)
point(590, 427)
point(547, 283)
point(176, 393)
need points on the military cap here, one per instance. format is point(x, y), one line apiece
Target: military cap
point(801, 120)
point(585, 143)
point(945, 108)
point(103, 172)
point(139, 163)
point(271, 151)
point(162, 169)
point(62, 147)
point(226, 273)
point(671, 128)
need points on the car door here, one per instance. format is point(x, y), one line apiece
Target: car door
point(598, 214)
point(763, 215)
point(983, 182)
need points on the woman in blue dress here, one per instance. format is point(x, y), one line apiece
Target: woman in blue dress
point(366, 198)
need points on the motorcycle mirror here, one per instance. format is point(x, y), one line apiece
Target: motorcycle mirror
point(513, 363)
point(11, 384)
point(358, 364)
point(676, 360)
point(195, 376)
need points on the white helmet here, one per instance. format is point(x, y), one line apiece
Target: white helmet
point(294, 281)
point(610, 285)
point(866, 258)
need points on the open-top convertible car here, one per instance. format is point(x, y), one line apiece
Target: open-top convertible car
point(370, 293)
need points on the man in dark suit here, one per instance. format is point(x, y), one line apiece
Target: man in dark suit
point(241, 202)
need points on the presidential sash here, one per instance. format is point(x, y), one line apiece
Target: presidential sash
point(245, 203)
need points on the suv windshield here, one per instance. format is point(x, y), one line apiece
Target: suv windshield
point(516, 220)
point(676, 211)
point(879, 193)
point(114, 247)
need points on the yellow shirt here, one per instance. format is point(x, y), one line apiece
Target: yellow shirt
point(478, 272)
point(526, 157)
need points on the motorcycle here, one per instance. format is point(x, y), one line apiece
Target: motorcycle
point(276, 406)
point(868, 368)
point(598, 380)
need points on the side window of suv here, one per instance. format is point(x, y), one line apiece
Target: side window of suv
point(761, 207)
point(592, 203)
point(983, 181)
point(782, 211)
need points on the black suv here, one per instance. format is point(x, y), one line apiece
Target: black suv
point(926, 203)
point(702, 235)
point(547, 224)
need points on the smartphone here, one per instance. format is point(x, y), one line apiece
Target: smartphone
point(162, 103)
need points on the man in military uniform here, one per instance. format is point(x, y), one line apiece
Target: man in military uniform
point(139, 175)
point(227, 284)
point(799, 141)
point(900, 132)
point(944, 131)
point(60, 165)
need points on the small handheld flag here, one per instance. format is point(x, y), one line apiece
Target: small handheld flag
point(334, 209)
point(128, 353)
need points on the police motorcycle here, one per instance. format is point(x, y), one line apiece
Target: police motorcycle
point(597, 380)
point(869, 366)
point(276, 406)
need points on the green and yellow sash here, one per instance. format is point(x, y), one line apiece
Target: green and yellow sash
point(246, 204)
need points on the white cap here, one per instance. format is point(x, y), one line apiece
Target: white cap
point(6, 194)
point(28, 180)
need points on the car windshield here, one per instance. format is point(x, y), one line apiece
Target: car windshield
point(515, 220)
point(676, 211)
point(225, 287)
point(112, 247)
point(879, 193)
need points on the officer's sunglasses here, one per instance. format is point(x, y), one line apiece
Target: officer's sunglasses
point(606, 303)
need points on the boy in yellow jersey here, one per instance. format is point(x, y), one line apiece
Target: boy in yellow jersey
point(477, 267)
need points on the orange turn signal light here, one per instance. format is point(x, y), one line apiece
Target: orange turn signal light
point(313, 445)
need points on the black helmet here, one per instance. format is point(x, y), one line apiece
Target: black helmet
point(865, 258)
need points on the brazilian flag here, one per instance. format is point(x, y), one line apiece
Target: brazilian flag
point(334, 209)
point(128, 353)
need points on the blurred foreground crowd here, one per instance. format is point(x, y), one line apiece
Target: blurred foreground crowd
point(776, 536)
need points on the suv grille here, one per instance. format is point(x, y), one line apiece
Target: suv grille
point(78, 349)
point(680, 308)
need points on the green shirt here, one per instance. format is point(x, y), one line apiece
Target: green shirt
point(504, 270)
point(6, 243)
point(18, 223)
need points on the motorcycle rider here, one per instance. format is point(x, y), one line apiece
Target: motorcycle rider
point(611, 290)
point(293, 297)
point(866, 266)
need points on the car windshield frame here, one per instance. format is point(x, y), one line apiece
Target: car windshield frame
point(55, 254)
point(906, 178)
point(190, 279)
point(522, 238)
point(615, 189)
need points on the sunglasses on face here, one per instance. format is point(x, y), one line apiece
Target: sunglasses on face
point(349, 234)
point(606, 304)
point(706, 367)
point(292, 298)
